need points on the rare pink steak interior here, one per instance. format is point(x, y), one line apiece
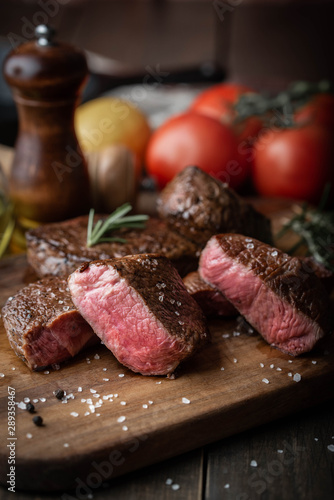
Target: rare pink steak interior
point(43, 326)
point(279, 295)
point(141, 310)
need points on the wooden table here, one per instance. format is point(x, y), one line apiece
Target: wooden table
point(222, 470)
point(286, 459)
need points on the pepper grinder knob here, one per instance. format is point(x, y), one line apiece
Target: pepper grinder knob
point(44, 35)
point(49, 176)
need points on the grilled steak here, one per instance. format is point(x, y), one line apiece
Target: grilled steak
point(199, 206)
point(209, 298)
point(139, 307)
point(325, 275)
point(43, 326)
point(276, 293)
point(60, 248)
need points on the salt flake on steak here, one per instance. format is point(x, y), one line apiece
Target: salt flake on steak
point(280, 296)
point(119, 298)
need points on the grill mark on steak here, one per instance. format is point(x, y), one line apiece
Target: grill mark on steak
point(276, 293)
point(209, 298)
point(139, 307)
point(43, 326)
point(60, 248)
point(199, 206)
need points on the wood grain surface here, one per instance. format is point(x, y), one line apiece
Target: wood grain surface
point(79, 445)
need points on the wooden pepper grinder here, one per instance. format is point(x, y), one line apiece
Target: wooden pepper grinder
point(49, 176)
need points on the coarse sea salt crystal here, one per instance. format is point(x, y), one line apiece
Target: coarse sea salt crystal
point(253, 463)
point(79, 389)
point(66, 445)
point(314, 362)
point(105, 380)
point(121, 375)
point(330, 447)
point(186, 401)
point(226, 486)
point(169, 481)
point(235, 360)
point(2, 375)
point(123, 403)
point(74, 414)
point(265, 380)
point(29, 435)
point(93, 391)
point(125, 428)
point(279, 451)
point(121, 419)
point(262, 365)
point(175, 486)
point(96, 356)
point(22, 405)
point(26, 400)
point(272, 366)
point(145, 406)
point(297, 377)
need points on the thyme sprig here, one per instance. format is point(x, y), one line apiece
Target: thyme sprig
point(315, 226)
point(117, 220)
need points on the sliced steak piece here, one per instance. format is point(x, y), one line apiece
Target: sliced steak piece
point(208, 297)
point(276, 293)
point(141, 310)
point(325, 275)
point(199, 206)
point(60, 248)
point(43, 326)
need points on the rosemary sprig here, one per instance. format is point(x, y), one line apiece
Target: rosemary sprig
point(315, 226)
point(117, 220)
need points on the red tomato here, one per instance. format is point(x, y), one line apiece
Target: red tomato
point(319, 110)
point(217, 101)
point(247, 132)
point(194, 139)
point(294, 163)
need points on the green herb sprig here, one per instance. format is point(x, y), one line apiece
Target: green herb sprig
point(7, 224)
point(315, 226)
point(117, 220)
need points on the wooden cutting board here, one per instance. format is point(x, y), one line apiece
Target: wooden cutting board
point(114, 421)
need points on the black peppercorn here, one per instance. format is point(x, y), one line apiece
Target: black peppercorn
point(38, 420)
point(59, 393)
point(30, 408)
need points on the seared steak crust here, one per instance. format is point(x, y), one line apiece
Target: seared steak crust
point(199, 206)
point(289, 277)
point(60, 248)
point(155, 279)
point(139, 307)
point(208, 297)
point(42, 324)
